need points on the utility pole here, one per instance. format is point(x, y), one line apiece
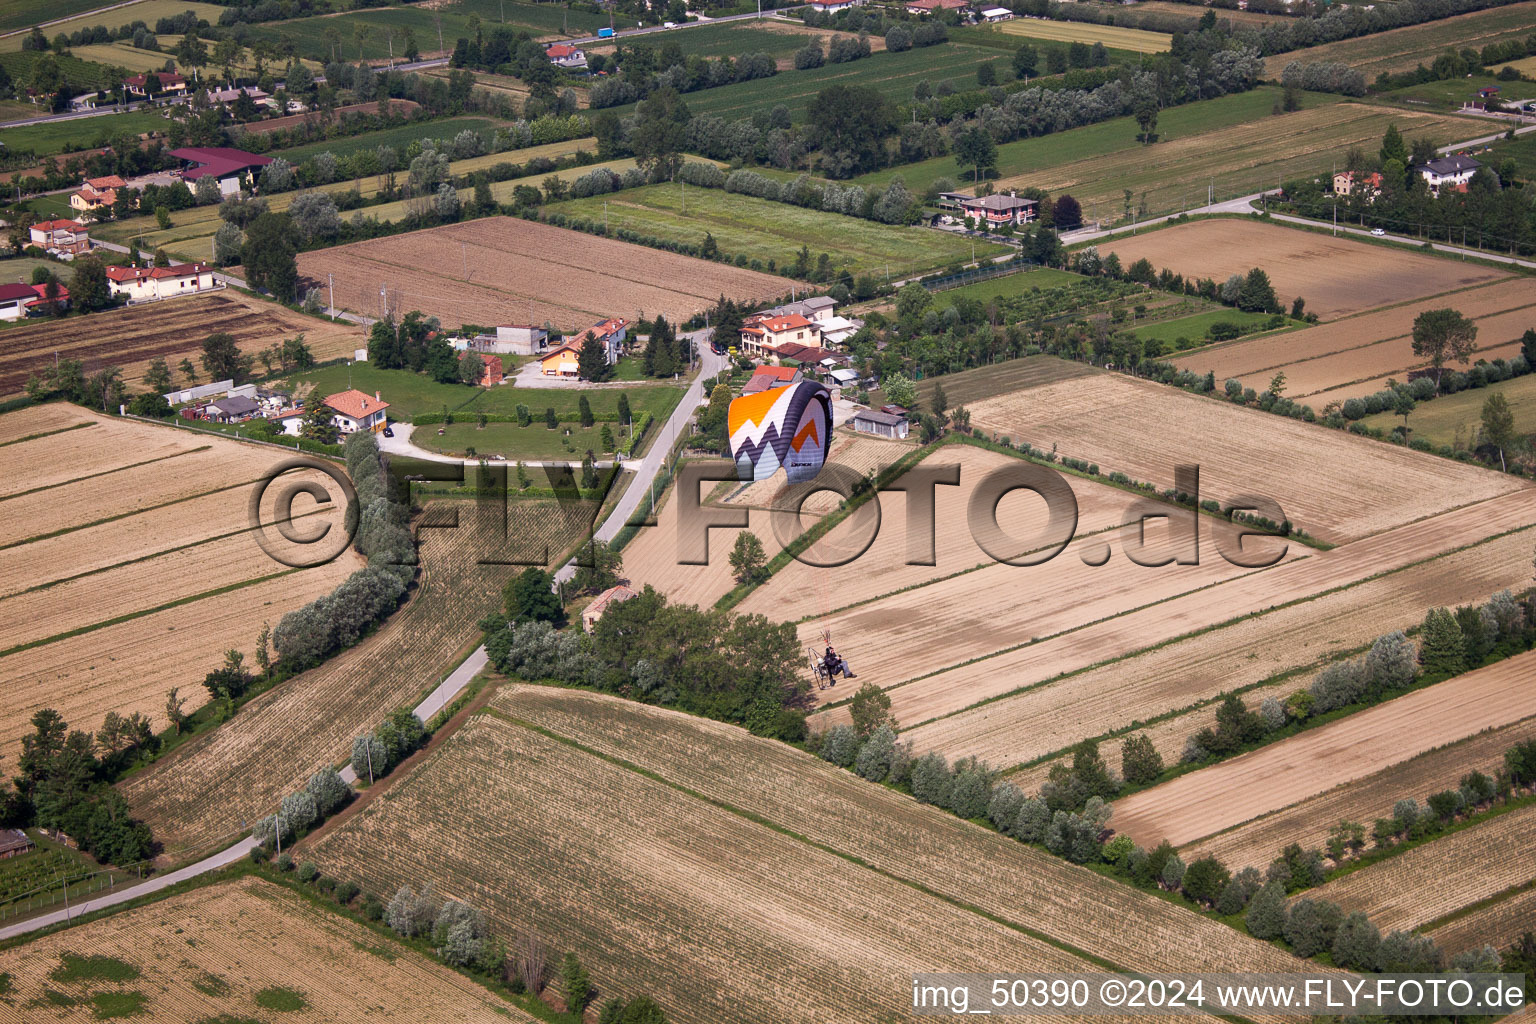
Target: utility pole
point(368, 746)
point(331, 281)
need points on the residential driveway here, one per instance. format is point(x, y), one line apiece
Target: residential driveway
point(401, 445)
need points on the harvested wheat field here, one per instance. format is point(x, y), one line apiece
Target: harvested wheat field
point(801, 591)
point(1309, 821)
point(1320, 477)
point(122, 583)
point(1428, 882)
point(202, 793)
point(1000, 607)
point(1229, 793)
point(526, 272)
point(1359, 335)
point(210, 952)
point(1498, 924)
point(171, 330)
point(1194, 672)
point(625, 869)
point(965, 686)
point(1337, 276)
point(930, 850)
point(1403, 49)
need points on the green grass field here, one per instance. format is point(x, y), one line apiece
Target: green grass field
point(397, 137)
point(82, 133)
point(569, 441)
point(1096, 140)
point(1403, 49)
point(26, 13)
point(1446, 95)
point(765, 230)
point(1014, 284)
point(730, 39)
point(895, 75)
point(411, 394)
point(18, 270)
point(1197, 327)
point(1450, 418)
point(308, 35)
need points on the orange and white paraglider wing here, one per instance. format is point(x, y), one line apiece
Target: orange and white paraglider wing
point(789, 427)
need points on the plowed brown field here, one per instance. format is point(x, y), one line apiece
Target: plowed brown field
point(1231, 792)
point(213, 949)
point(1320, 477)
point(1496, 925)
point(1048, 718)
point(526, 272)
point(171, 329)
point(1308, 822)
point(1440, 877)
point(1336, 276)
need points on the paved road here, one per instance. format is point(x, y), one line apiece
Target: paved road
point(401, 444)
point(213, 863)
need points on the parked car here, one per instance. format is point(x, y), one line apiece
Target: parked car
point(1378, 232)
point(389, 431)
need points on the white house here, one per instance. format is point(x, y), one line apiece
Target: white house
point(61, 236)
point(762, 332)
point(356, 411)
point(610, 332)
point(996, 14)
point(563, 55)
point(1447, 172)
point(141, 284)
point(14, 299)
point(833, 6)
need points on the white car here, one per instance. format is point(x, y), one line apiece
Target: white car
point(1378, 232)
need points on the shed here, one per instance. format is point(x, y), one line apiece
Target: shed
point(233, 410)
point(14, 842)
point(881, 424)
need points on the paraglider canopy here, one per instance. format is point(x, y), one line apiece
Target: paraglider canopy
point(789, 427)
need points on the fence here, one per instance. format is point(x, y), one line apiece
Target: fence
point(62, 889)
point(984, 273)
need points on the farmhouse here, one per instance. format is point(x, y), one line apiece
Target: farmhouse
point(169, 84)
point(762, 333)
point(96, 193)
point(1452, 171)
point(515, 339)
point(495, 371)
point(600, 604)
point(236, 409)
point(563, 55)
point(1344, 183)
point(64, 237)
point(765, 378)
point(258, 96)
point(230, 167)
point(611, 332)
point(562, 362)
point(141, 284)
point(930, 6)
point(995, 211)
point(357, 411)
point(818, 309)
point(14, 842)
point(881, 424)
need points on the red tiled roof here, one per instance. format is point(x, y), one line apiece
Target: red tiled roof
point(613, 594)
point(930, 5)
point(561, 50)
point(776, 324)
point(61, 293)
point(110, 181)
point(167, 78)
point(776, 372)
point(355, 404)
point(58, 225)
point(572, 349)
point(122, 274)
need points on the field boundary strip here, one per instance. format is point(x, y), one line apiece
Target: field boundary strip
point(107, 472)
point(125, 515)
point(1184, 636)
point(774, 826)
point(130, 616)
point(156, 554)
point(47, 433)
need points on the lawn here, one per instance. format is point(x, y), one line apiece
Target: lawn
point(82, 133)
point(894, 75)
point(19, 269)
point(411, 394)
point(764, 230)
point(569, 441)
point(399, 138)
point(1096, 140)
point(1132, 39)
point(1452, 418)
point(1014, 284)
point(26, 13)
point(1445, 95)
point(731, 39)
